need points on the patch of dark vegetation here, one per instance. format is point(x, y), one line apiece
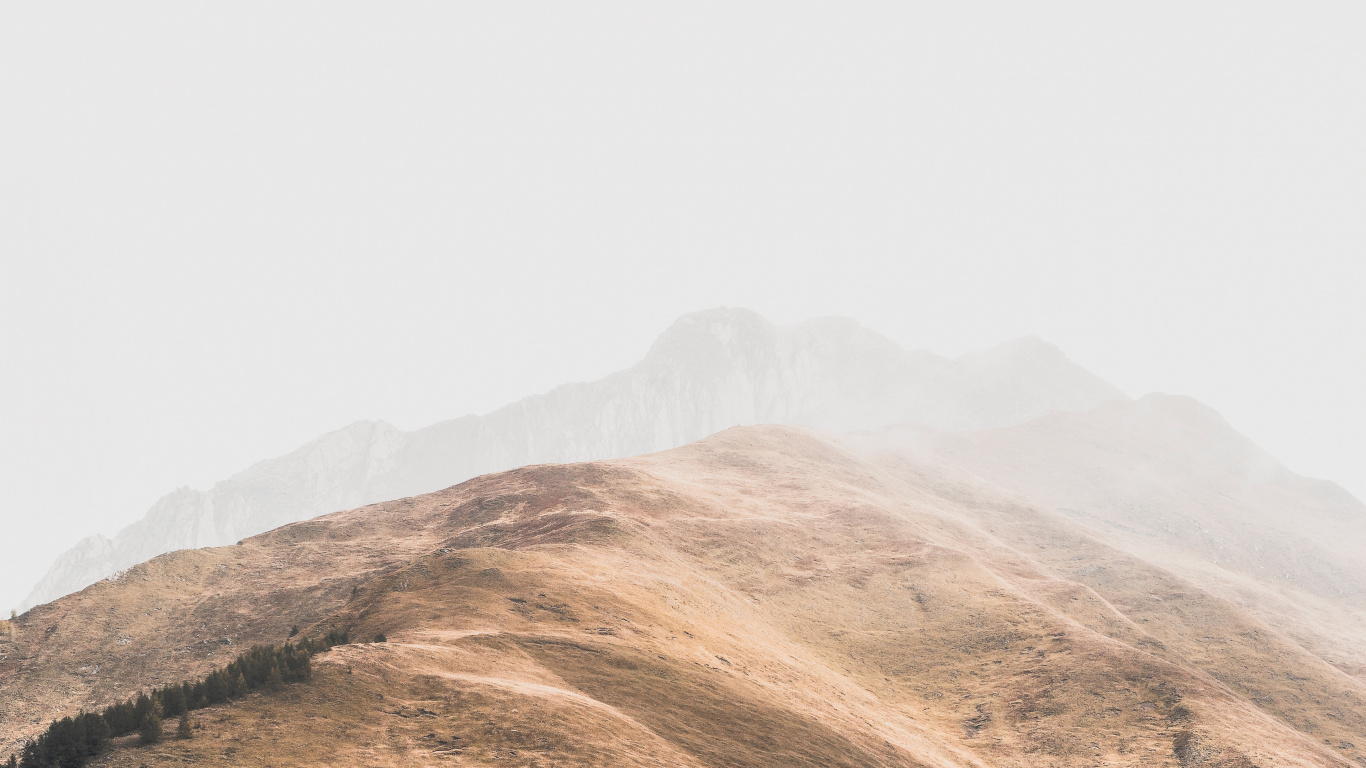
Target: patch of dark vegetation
point(1192, 750)
point(490, 578)
point(1186, 748)
point(529, 491)
point(974, 725)
point(560, 611)
point(483, 510)
point(296, 533)
point(73, 741)
point(561, 527)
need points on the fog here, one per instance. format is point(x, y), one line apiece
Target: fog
point(224, 232)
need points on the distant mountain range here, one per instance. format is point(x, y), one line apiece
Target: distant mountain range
point(709, 371)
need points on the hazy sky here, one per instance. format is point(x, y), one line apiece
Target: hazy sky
point(227, 228)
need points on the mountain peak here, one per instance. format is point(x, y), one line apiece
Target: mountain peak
point(723, 331)
point(710, 370)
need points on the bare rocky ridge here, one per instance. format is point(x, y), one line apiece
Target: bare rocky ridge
point(768, 596)
point(711, 370)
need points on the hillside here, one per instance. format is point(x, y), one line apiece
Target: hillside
point(711, 370)
point(766, 596)
point(1169, 480)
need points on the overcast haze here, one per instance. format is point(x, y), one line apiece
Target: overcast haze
point(227, 229)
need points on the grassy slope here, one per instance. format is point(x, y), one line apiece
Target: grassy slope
point(764, 597)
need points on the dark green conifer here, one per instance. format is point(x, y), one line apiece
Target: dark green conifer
point(97, 732)
point(150, 732)
point(173, 701)
point(120, 718)
point(275, 680)
point(184, 730)
point(143, 709)
point(216, 688)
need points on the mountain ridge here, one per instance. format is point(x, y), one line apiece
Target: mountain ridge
point(709, 370)
point(1287, 548)
point(767, 596)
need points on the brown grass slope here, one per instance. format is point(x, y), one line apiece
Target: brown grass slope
point(766, 597)
point(1167, 479)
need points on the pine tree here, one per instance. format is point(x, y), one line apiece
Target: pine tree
point(184, 730)
point(172, 701)
point(96, 732)
point(216, 688)
point(143, 710)
point(120, 718)
point(150, 732)
point(275, 680)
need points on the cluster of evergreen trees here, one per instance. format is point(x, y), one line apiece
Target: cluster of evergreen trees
point(72, 741)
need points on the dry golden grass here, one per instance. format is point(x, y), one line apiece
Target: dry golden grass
point(766, 597)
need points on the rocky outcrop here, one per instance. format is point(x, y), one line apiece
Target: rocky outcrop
point(709, 371)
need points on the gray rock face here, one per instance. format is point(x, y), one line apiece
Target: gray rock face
point(709, 371)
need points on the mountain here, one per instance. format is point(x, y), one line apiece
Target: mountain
point(710, 370)
point(1032, 596)
point(1168, 479)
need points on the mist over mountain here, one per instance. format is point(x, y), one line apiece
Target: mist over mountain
point(897, 560)
point(1168, 479)
point(710, 370)
point(1083, 589)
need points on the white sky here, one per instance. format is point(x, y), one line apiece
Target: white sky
point(227, 228)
